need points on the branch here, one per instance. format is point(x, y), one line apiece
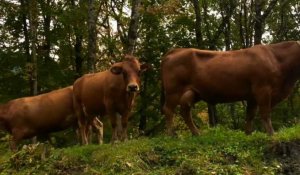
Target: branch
point(268, 10)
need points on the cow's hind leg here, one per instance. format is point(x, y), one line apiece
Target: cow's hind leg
point(168, 110)
point(84, 131)
point(186, 102)
point(84, 125)
point(251, 112)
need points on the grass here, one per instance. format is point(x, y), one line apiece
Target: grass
point(216, 151)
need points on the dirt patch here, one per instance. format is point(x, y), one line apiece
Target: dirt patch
point(288, 154)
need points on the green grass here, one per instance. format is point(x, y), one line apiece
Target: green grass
point(216, 151)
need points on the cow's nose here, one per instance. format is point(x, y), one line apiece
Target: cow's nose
point(132, 88)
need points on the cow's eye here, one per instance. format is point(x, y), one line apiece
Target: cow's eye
point(139, 72)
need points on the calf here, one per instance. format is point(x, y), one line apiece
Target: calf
point(262, 76)
point(111, 92)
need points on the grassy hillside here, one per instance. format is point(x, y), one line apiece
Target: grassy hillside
point(216, 151)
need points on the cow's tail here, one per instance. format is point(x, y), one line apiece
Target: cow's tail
point(162, 92)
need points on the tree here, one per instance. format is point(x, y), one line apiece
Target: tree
point(26, 45)
point(133, 27)
point(92, 35)
point(198, 25)
point(260, 18)
point(211, 108)
point(76, 25)
point(33, 17)
point(129, 49)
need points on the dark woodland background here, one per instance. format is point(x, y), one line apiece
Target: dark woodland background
point(46, 45)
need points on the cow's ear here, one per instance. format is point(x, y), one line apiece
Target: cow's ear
point(116, 70)
point(145, 67)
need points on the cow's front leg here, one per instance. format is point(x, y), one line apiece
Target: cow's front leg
point(13, 143)
point(263, 98)
point(251, 112)
point(124, 122)
point(114, 124)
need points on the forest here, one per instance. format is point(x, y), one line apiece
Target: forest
point(47, 44)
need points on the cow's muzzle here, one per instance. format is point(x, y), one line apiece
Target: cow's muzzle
point(133, 88)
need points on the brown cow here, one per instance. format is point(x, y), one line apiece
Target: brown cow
point(111, 92)
point(262, 76)
point(38, 115)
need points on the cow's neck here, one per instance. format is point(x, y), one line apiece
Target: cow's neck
point(288, 55)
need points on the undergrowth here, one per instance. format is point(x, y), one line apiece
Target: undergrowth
point(216, 151)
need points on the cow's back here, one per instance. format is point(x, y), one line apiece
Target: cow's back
point(217, 76)
point(40, 114)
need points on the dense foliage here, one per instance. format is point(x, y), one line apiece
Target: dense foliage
point(62, 45)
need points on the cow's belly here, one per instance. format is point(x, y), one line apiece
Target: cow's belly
point(95, 109)
point(222, 94)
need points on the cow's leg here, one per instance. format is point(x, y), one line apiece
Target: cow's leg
point(124, 122)
point(168, 110)
point(186, 102)
point(113, 120)
point(14, 139)
point(98, 125)
point(89, 133)
point(81, 121)
point(263, 99)
point(119, 127)
point(88, 129)
point(265, 112)
point(13, 143)
point(251, 111)
point(83, 129)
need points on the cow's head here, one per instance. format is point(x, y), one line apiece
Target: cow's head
point(131, 70)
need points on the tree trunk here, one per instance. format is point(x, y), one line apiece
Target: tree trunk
point(33, 13)
point(129, 49)
point(77, 47)
point(144, 104)
point(92, 36)
point(227, 36)
point(199, 39)
point(45, 48)
point(78, 55)
point(24, 9)
point(258, 22)
point(260, 18)
point(241, 27)
point(133, 27)
point(246, 24)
